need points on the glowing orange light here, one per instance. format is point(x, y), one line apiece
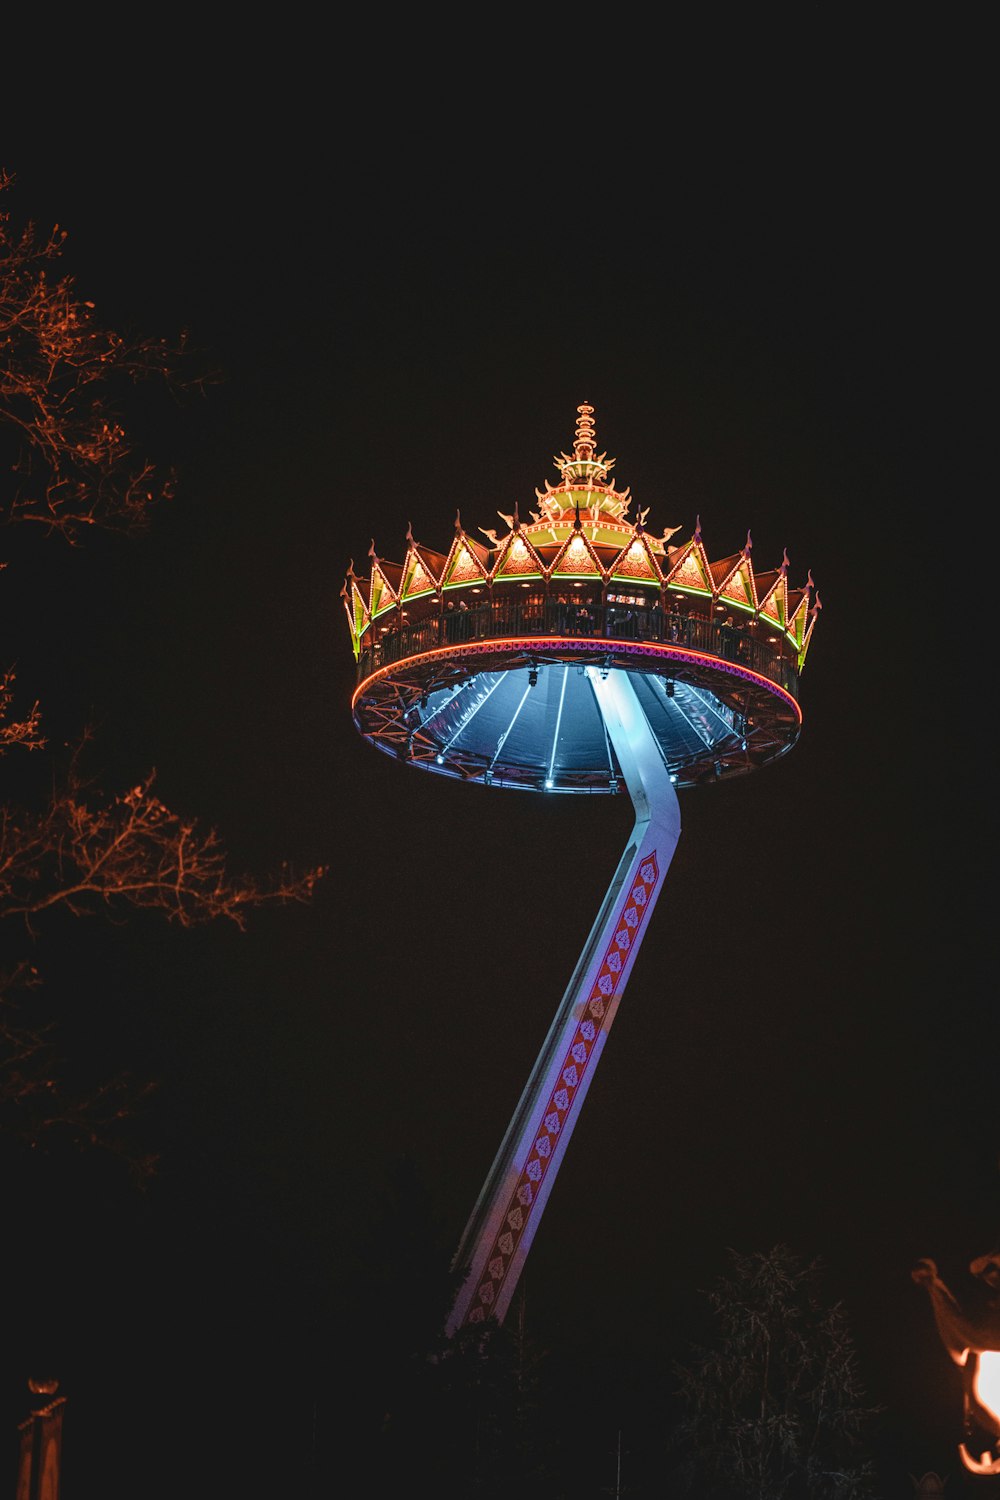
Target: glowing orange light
point(986, 1384)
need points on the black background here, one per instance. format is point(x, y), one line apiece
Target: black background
point(771, 285)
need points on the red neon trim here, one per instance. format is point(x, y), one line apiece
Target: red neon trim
point(649, 648)
point(557, 1118)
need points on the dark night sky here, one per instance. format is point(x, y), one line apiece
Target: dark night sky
point(778, 315)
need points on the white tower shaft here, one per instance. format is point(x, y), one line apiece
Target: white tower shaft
point(505, 1219)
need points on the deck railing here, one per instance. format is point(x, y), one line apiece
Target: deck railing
point(504, 618)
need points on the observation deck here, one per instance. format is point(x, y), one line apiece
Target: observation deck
point(476, 663)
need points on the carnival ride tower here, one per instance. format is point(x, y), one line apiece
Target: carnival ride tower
point(578, 653)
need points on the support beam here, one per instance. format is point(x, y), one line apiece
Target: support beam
point(505, 1219)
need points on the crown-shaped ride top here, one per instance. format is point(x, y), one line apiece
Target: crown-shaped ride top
point(579, 534)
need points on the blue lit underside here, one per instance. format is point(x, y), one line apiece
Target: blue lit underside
point(550, 736)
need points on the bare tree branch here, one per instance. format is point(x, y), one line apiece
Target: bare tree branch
point(69, 464)
point(86, 851)
point(37, 1109)
point(62, 380)
point(25, 733)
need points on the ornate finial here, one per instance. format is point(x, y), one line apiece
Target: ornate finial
point(516, 523)
point(576, 521)
point(748, 548)
point(371, 549)
point(809, 579)
point(785, 563)
point(817, 606)
point(350, 569)
point(697, 528)
point(409, 531)
point(458, 520)
point(585, 445)
point(585, 465)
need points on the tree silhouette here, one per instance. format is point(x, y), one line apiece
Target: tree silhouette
point(71, 468)
point(67, 444)
point(774, 1404)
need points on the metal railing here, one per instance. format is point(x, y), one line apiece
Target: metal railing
point(494, 619)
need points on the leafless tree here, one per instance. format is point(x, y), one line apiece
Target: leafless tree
point(85, 851)
point(63, 379)
point(774, 1401)
point(69, 465)
point(24, 732)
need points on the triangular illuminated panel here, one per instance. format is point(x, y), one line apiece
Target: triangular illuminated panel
point(383, 591)
point(355, 641)
point(376, 589)
point(417, 576)
point(636, 563)
point(577, 559)
point(359, 605)
point(518, 559)
point(804, 647)
point(773, 595)
point(463, 565)
point(735, 583)
point(798, 604)
point(690, 569)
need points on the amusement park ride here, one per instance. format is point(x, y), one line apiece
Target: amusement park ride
point(580, 653)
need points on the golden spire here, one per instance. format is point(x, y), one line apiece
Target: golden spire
point(585, 465)
point(585, 445)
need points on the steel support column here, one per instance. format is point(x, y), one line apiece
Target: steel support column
point(505, 1219)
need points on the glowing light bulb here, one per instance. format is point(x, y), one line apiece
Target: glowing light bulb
point(987, 1381)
